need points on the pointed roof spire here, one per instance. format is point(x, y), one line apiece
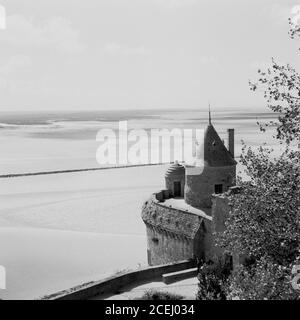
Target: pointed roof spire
point(209, 114)
point(215, 153)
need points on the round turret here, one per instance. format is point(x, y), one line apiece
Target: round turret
point(175, 179)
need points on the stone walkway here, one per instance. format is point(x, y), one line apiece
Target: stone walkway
point(186, 288)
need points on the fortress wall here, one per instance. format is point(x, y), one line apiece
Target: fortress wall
point(199, 188)
point(173, 234)
point(203, 243)
point(220, 211)
point(166, 247)
point(200, 243)
point(156, 213)
point(209, 242)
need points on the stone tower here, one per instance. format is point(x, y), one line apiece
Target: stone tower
point(217, 172)
point(180, 220)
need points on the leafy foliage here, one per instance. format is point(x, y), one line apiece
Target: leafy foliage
point(264, 219)
point(264, 224)
point(281, 87)
point(262, 281)
point(160, 295)
point(212, 282)
point(294, 29)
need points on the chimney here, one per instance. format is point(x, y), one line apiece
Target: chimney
point(231, 141)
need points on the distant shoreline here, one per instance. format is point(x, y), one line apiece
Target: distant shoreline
point(16, 175)
point(28, 174)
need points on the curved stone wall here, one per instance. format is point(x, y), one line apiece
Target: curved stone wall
point(173, 234)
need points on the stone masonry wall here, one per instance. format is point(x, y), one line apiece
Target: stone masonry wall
point(166, 247)
point(220, 211)
point(199, 188)
point(172, 234)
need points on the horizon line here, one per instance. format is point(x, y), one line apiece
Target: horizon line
point(200, 109)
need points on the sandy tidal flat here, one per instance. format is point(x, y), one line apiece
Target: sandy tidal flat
point(58, 231)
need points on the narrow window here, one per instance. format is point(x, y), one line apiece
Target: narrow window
point(218, 188)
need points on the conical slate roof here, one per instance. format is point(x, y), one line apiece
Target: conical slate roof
point(215, 152)
point(175, 169)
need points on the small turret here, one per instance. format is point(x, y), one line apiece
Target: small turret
point(175, 179)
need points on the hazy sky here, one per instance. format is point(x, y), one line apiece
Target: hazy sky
point(99, 54)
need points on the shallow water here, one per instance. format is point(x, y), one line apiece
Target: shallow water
point(32, 142)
